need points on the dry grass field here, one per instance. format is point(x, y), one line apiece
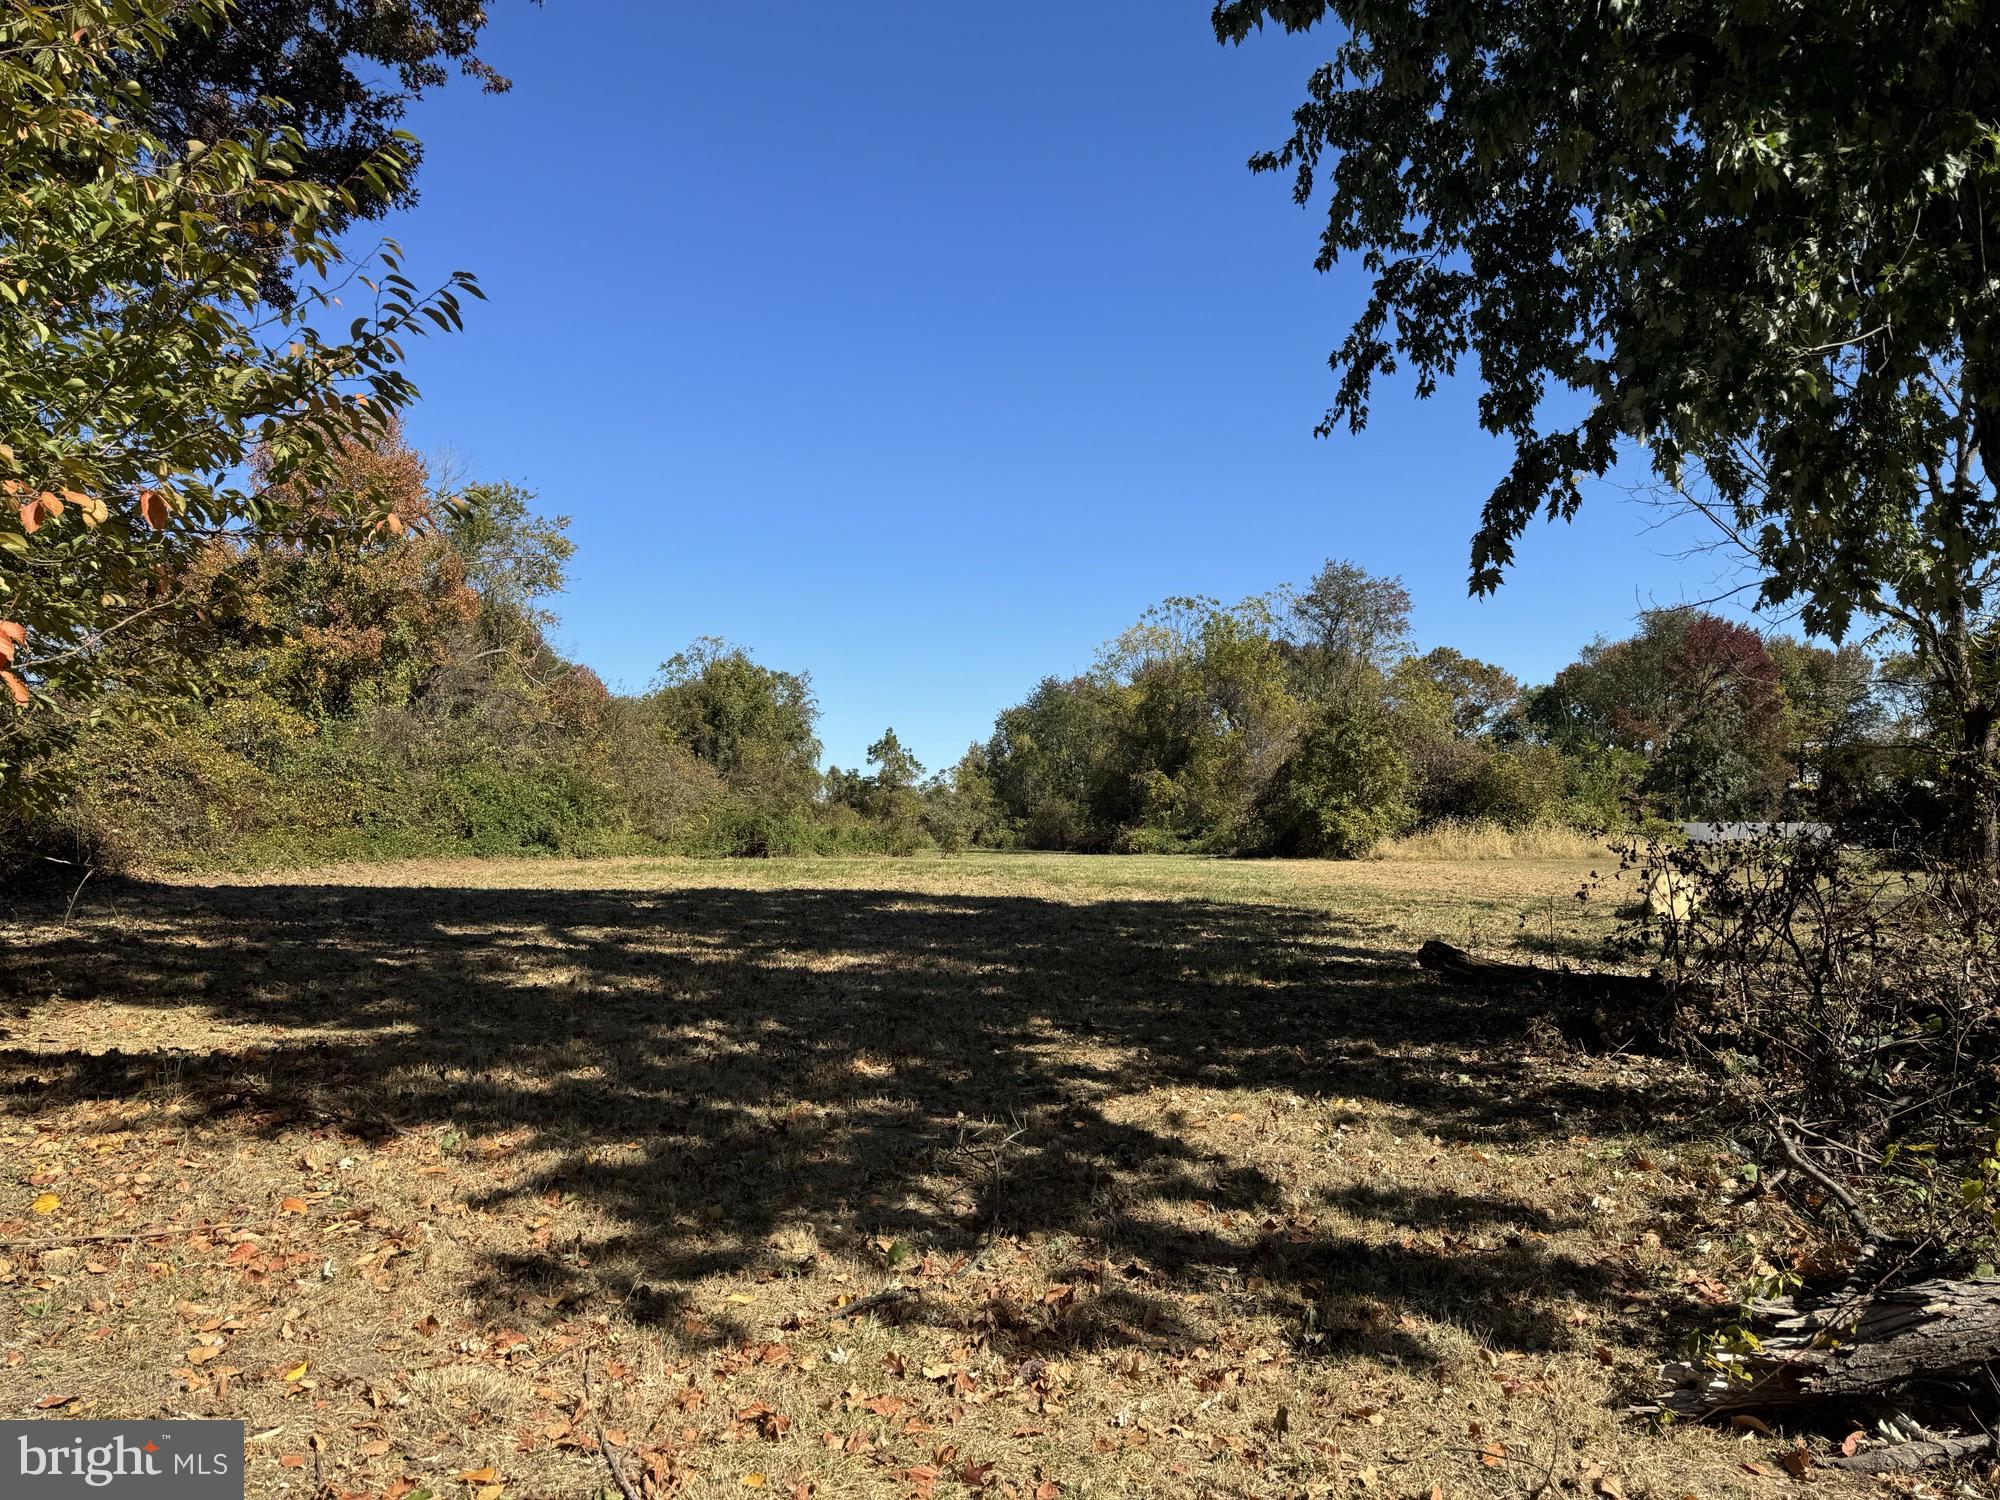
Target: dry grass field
point(1166, 1176)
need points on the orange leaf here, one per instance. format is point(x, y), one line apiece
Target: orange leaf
point(293, 1460)
point(479, 1476)
point(1850, 1444)
point(18, 691)
point(153, 506)
point(292, 1205)
point(31, 517)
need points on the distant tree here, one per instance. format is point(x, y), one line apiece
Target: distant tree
point(1761, 243)
point(1697, 696)
point(1053, 760)
point(1342, 790)
point(1210, 719)
point(754, 725)
point(512, 556)
point(1478, 696)
point(1347, 624)
point(896, 770)
point(961, 808)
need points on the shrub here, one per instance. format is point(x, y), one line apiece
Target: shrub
point(1849, 1013)
point(1342, 791)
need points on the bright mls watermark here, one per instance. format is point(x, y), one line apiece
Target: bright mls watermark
point(54, 1460)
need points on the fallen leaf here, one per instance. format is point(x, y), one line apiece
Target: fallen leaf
point(752, 1481)
point(478, 1476)
point(1797, 1462)
point(50, 1403)
point(45, 1203)
point(1744, 1422)
point(292, 1205)
point(202, 1353)
point(1850, 1444)
point(297, 1372)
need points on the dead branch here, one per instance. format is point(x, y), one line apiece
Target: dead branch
point(888, 1296)
point(1905, 1457)
point(603, 1444)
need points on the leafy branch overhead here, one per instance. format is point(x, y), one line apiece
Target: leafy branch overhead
point(1752, 240)
point(151, 394)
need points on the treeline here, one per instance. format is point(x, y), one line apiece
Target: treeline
point(393, 692)
point(1305, 723)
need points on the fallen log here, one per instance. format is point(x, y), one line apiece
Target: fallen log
point(1868, 1344)
point(1599, 1008)
point(1903, 1458)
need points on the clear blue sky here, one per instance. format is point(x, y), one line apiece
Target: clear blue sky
point(921, 347)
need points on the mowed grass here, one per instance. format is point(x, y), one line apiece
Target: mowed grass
point(1183, 1179)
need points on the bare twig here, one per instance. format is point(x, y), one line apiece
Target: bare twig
point(69, 911)
point(889, 1295)
point(1872, 1238)
point(603, 1444)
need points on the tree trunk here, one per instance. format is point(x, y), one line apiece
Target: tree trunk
point(1976, 787)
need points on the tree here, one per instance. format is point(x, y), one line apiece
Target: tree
point(1053, 762)
point(1347, 624)
point(960, 808)
point(1696, 695)
point(1761, 243)
point(1210, 719)
point(753, 724)
point(143, 369)
point(1342, 790)
point(1478, 696)
point(340, 73)
point(896, 770)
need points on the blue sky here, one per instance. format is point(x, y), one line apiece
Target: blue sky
point(922, 347)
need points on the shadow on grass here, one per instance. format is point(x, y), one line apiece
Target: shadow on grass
point(709, 1067)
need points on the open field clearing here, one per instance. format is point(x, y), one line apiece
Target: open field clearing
point(1179, 1177)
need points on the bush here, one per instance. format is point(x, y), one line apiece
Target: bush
point(1341, 792)
point(1849, 1013)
